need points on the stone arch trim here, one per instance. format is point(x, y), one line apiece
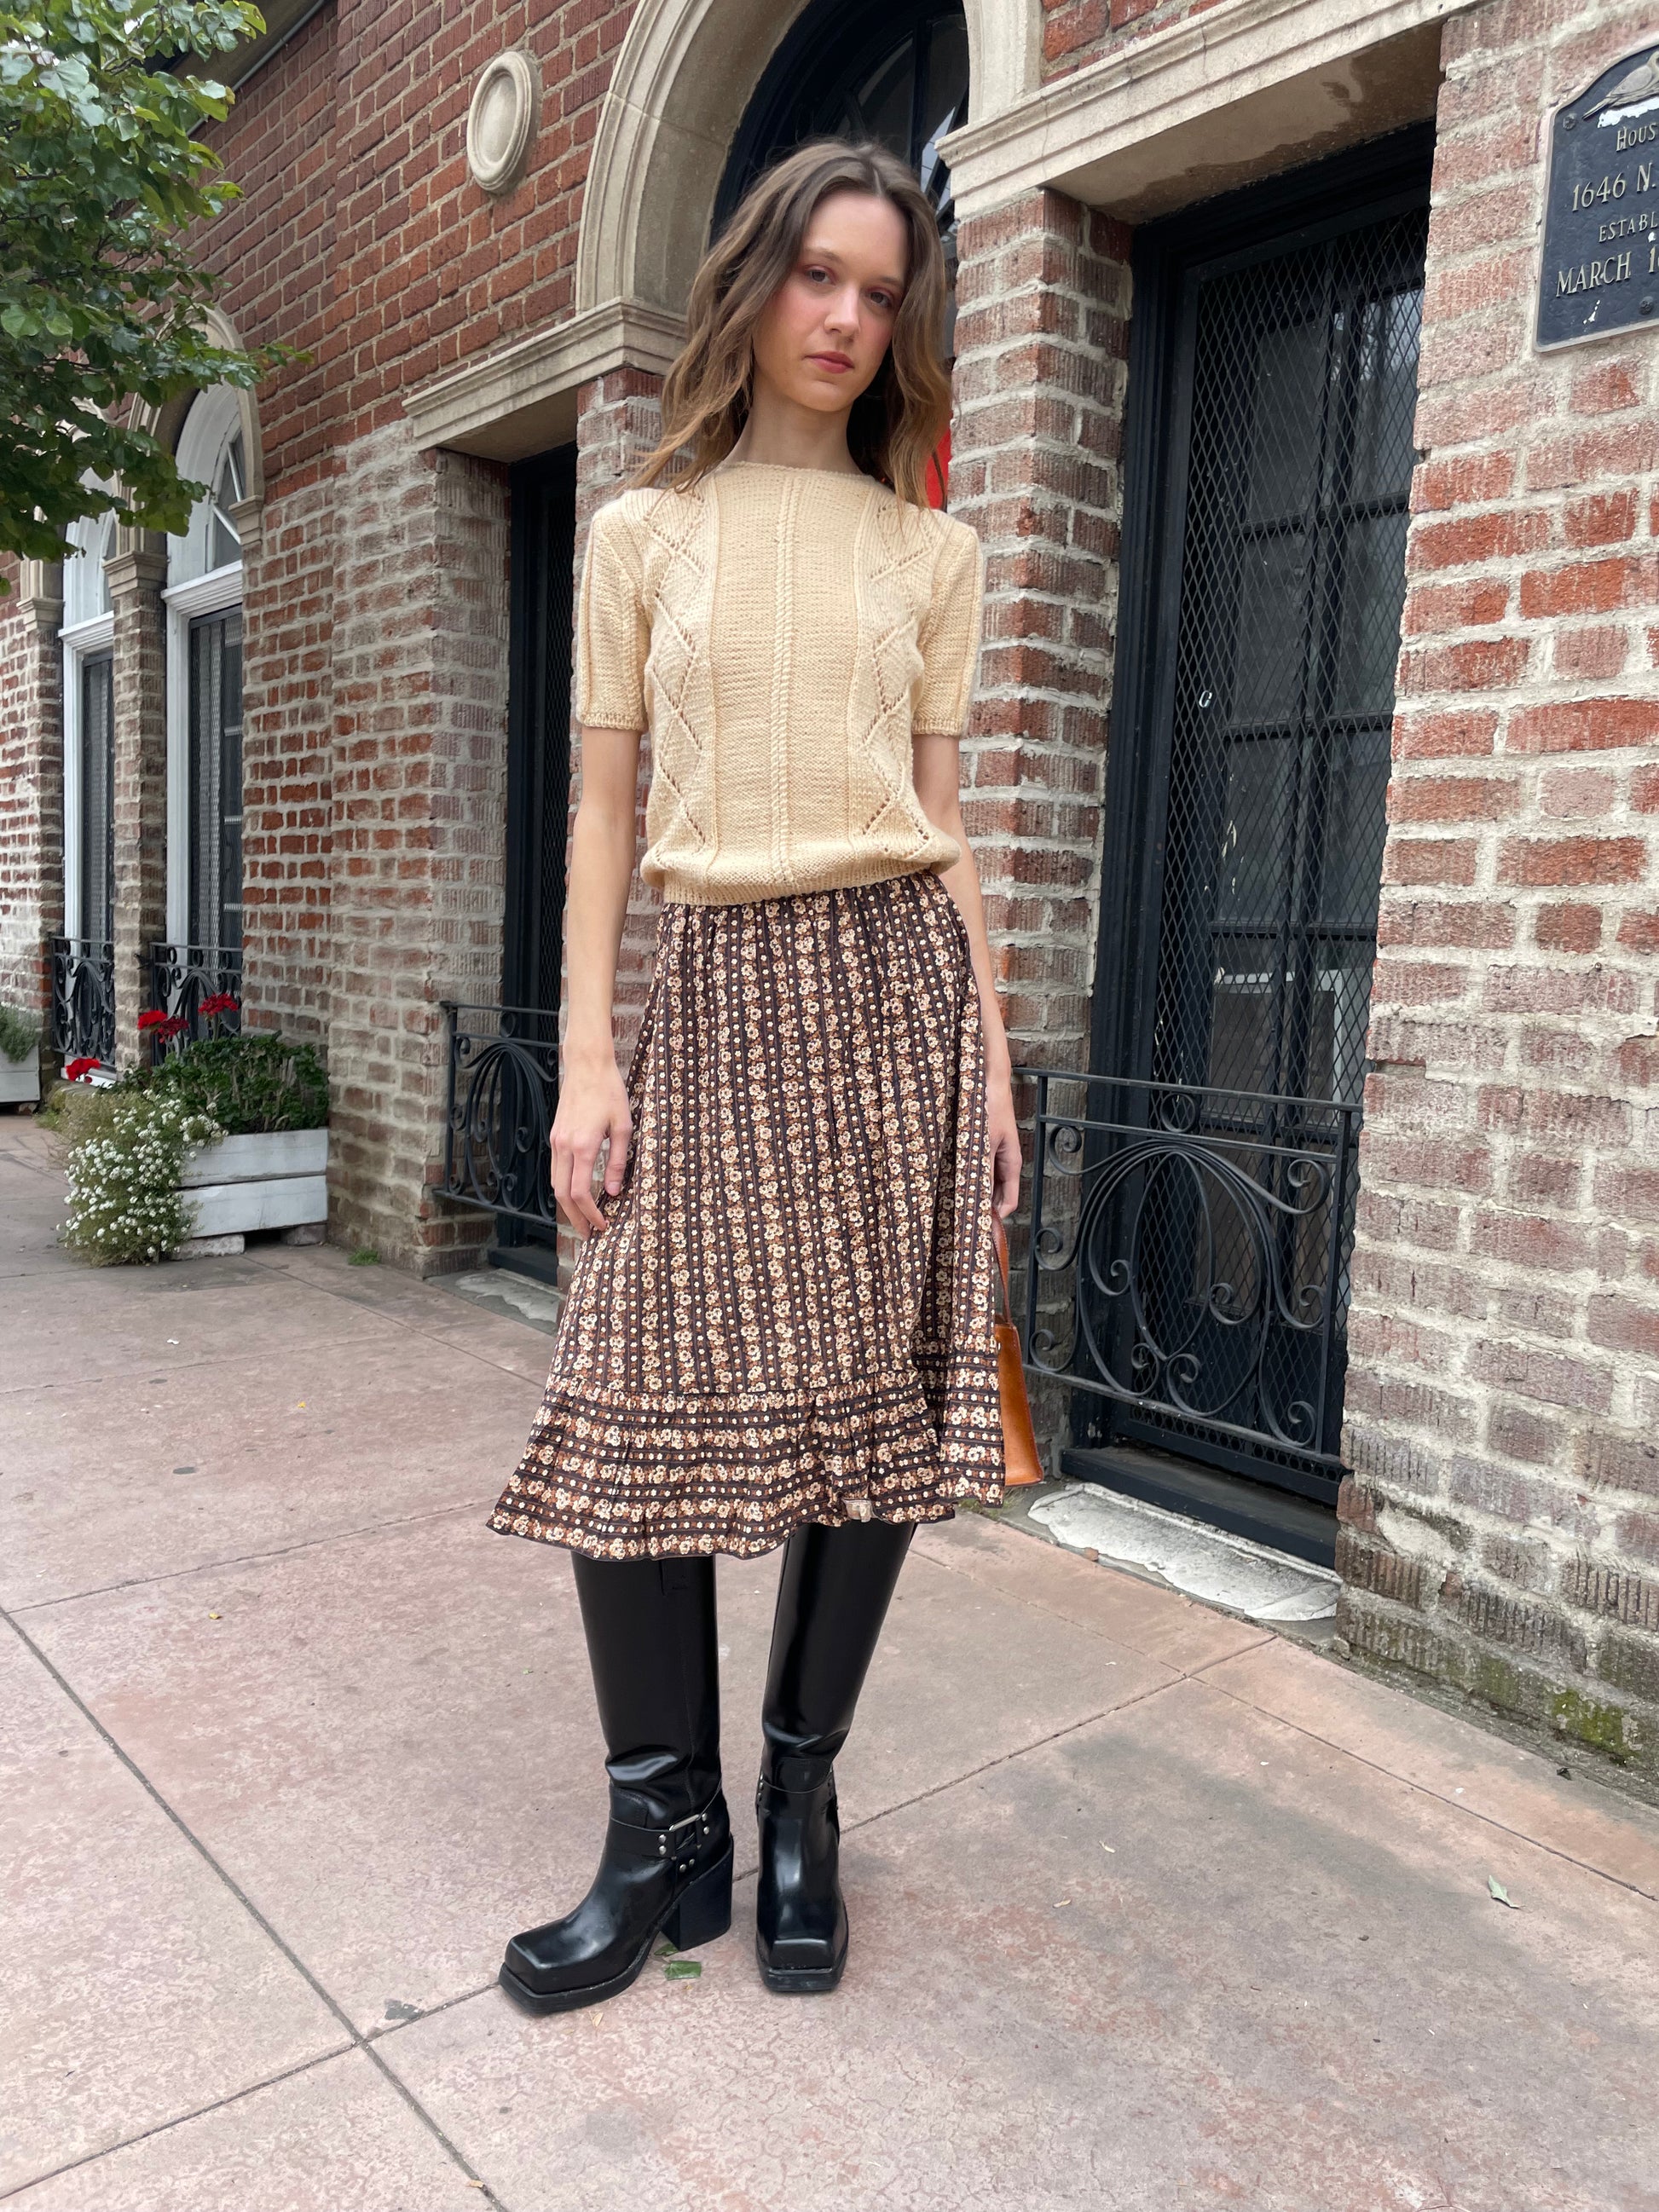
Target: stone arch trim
point(166, 423)
point(685, 73)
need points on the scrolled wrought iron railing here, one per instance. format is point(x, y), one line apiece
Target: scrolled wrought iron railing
point(502, 1089)
point(83, 998)
point(1188, 1257)
point(189, 984)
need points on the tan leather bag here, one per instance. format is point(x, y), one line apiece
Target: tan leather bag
point(1022, 1462)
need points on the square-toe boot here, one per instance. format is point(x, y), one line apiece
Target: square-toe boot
point(833, 1595)
point(666, 1864)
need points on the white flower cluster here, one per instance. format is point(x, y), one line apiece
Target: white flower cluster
point(125, 1204)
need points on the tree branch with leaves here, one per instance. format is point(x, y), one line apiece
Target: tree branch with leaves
point(102, 303)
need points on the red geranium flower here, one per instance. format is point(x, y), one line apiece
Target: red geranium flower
point(151, 1019)
point(77, 1069)
point(221, 1002)
point(174, 1026)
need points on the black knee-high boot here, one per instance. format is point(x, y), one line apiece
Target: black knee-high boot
point(666, 1866)
point(833, 1595)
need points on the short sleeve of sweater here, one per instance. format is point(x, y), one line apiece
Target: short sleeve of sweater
point(613, 632)
point(948, 635)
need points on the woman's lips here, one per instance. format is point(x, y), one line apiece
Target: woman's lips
point(837, 362)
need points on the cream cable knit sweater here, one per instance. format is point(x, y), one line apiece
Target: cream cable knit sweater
point(781, 632)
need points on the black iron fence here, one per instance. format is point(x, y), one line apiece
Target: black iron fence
point(1189, 1262)
point(502, 1089)
point(83, 998)
point(195, 987)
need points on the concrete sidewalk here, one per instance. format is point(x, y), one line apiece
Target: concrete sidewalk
point(1151, 1907)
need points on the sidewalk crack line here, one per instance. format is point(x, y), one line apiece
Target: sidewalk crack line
point(182, 2119)
point(360, 2041)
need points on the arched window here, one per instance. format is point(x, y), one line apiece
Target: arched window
point(895, 71)
point(204, 698)
point(88, 642)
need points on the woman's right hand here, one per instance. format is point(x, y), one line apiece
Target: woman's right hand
point(592, 1108)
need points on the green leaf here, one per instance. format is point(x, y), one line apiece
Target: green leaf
point(106, 195)
point(1501, 1894)
point(682, 1970)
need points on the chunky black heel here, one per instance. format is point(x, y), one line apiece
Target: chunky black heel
point(800, 1916)
point(705, 1910)
point(666, 1865)
point(833, 1595)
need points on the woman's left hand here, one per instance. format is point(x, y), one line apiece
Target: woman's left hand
point(1002, 1135)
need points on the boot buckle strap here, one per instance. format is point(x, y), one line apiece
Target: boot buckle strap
point(693, 1828)
point(690, 1832)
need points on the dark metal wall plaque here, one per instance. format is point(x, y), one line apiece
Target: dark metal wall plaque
point(1601, 266)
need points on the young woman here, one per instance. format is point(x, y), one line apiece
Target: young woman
point(778, 1327)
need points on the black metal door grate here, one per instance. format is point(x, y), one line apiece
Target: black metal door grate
point(503, 1060)
point(1304, 385)
point(1212, 1161)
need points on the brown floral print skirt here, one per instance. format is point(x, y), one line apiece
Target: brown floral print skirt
point(786, 1317)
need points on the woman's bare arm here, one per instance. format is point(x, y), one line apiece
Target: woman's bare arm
point(592, 1097)
point(936, 771)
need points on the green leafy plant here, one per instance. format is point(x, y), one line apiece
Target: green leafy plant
point(251, 1085)
point(126, 1150)
point(20, 1033)
point(102, 176)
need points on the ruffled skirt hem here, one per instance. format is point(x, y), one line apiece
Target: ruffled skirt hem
point(681, 1475)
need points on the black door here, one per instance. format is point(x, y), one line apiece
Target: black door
point(543, 500)
point(894, 70)
point(544, 548)
point(1272, 396)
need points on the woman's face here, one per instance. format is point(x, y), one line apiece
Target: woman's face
point(822, 335)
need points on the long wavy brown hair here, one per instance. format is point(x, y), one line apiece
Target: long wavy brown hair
point(897, 421)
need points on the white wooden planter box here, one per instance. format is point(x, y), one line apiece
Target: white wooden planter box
point(20, 1080)
point(258, 1182)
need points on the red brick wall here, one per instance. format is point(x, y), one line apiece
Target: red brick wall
point(30, 798)
point(1035, 468)
point(288, 760)
point(430, 268)
point(417, 823)
point(1076, 31)
point(140, 798)
point(1502, 1531)
point(273, 251)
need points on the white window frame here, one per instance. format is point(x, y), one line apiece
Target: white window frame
point(81, 643)
point(214, 419)
point(216, 593)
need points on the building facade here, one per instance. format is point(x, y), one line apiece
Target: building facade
point(1313, 775)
